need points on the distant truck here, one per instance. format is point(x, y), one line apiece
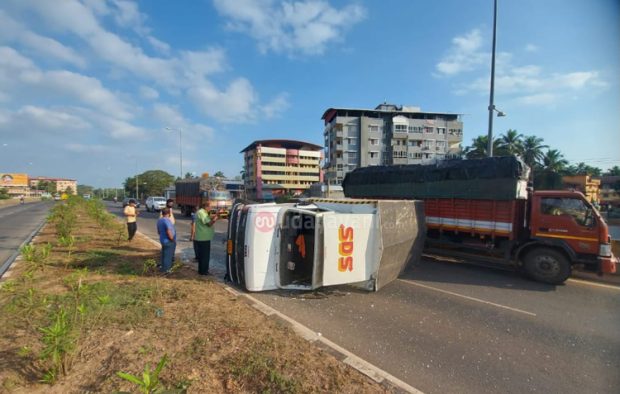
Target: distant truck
point(323, 242)
point(193, 192)
point(482, 209)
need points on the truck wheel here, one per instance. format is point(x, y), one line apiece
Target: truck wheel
point(547, 266)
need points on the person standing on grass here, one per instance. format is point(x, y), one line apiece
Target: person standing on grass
point(168, 239)
point(204, 233)
point(131, 213)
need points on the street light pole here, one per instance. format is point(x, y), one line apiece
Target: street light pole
point(491, 105)
point(180, 149)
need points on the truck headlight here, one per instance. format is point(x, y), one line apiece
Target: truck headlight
point(604, 250)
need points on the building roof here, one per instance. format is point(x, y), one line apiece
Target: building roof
point(287, 144)
point(44, 178)
point(394, 109)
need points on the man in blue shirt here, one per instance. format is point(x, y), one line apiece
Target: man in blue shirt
point(168, 239)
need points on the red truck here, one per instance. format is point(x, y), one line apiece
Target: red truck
point(492, 216)
point(191, 193)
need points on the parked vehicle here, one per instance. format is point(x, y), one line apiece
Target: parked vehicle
point(193, 192)
point(322, 243)
point(126, 201)
point(153, 204)
point(482, 208)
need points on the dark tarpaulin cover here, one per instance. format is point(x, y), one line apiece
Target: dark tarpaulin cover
point(493, 178)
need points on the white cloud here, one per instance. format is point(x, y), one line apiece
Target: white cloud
point(148, 93)
point(531, 48)
point(171, 117)
point(276, 107)
point(235, 104)
point(465, 54)
point(538, 99)
point(303, 26)
point(12, 31)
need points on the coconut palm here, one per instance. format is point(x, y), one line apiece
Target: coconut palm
point(478, 148)
point(511, 143)
point(532, 150)
point(554, 161)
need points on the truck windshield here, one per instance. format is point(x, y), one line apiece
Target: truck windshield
point(573, 207)
point(219, 195)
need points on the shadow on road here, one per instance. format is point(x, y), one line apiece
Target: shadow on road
point(441, 271)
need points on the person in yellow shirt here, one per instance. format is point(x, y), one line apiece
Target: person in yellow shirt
point(131, 213)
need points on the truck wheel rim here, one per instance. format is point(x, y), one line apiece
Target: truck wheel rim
point(547, 265)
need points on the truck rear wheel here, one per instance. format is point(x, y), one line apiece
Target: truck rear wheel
point(547, 266)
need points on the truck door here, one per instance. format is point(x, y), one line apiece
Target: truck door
point(569, 219)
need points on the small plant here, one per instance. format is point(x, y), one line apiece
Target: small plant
point(24, 351)
point(45, 252)
point(149, 265)
point(29, 252)
point(8, 286)
point(150, 380)
point(57, 343)
point(67, 242)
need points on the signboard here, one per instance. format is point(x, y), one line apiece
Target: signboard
point(8, 179)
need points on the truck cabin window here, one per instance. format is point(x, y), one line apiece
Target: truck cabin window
point(572, 207)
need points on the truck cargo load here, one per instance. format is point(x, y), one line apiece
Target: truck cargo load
point(191, 193)
point(494, 178)
point(323, 242)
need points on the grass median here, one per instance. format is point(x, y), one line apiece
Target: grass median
point(86, 311)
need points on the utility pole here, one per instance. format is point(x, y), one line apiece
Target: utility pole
point(491, 105)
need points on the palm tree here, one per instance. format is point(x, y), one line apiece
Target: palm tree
point(554, 161)
point(478, 148)
point(615, 170)
point(532, 150)
point(511, 143)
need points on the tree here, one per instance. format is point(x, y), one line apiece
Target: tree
point(532, 150)
point(511, 143)
point(188, 175)
point(219, 174)
point(69, 190)
point(478, 148)
point(553, 160)
point(151, 183)
point(47, 186)
point(613, 171)
point(4, 193)
point(84, 189)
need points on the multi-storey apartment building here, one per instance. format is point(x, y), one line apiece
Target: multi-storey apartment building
point(275, 167)
point(61, 183)
point(387, 135)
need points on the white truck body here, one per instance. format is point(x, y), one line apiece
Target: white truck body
point(323, 243)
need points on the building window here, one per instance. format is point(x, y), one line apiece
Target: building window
point(374, 141)
point(373, 155)
point(441, 130)
point(400, 128)
point(373, 128)
point(428, 129)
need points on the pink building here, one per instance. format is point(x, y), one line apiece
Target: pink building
point(281, 167)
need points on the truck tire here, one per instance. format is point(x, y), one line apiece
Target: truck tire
point(547, 265)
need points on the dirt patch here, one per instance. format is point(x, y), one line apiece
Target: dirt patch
point(123, 315)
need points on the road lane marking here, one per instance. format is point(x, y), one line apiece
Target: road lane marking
point(468, 297)
point(588, 283)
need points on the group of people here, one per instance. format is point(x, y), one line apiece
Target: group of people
point(201, 234)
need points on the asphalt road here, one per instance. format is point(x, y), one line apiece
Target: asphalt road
point(455, 328)
point(17, 222)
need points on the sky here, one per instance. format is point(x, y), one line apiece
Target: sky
point(99, 90)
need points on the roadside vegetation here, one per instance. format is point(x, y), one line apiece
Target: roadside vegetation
point(86, 311)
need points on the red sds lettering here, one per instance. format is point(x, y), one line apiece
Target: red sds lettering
point(345, 248)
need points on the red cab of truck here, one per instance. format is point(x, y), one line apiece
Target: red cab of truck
point(567, 221)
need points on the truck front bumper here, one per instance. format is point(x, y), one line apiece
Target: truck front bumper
point(608, 264)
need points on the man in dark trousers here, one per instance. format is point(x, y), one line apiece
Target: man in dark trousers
point(131, 213)
point(203, 235)
point(168, 239)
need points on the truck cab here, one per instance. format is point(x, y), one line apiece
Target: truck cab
point(566, 222)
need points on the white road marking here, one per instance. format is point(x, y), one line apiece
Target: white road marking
point(588, 283)
point(468, 297)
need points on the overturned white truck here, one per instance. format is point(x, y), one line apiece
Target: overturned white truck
point(323, 242)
